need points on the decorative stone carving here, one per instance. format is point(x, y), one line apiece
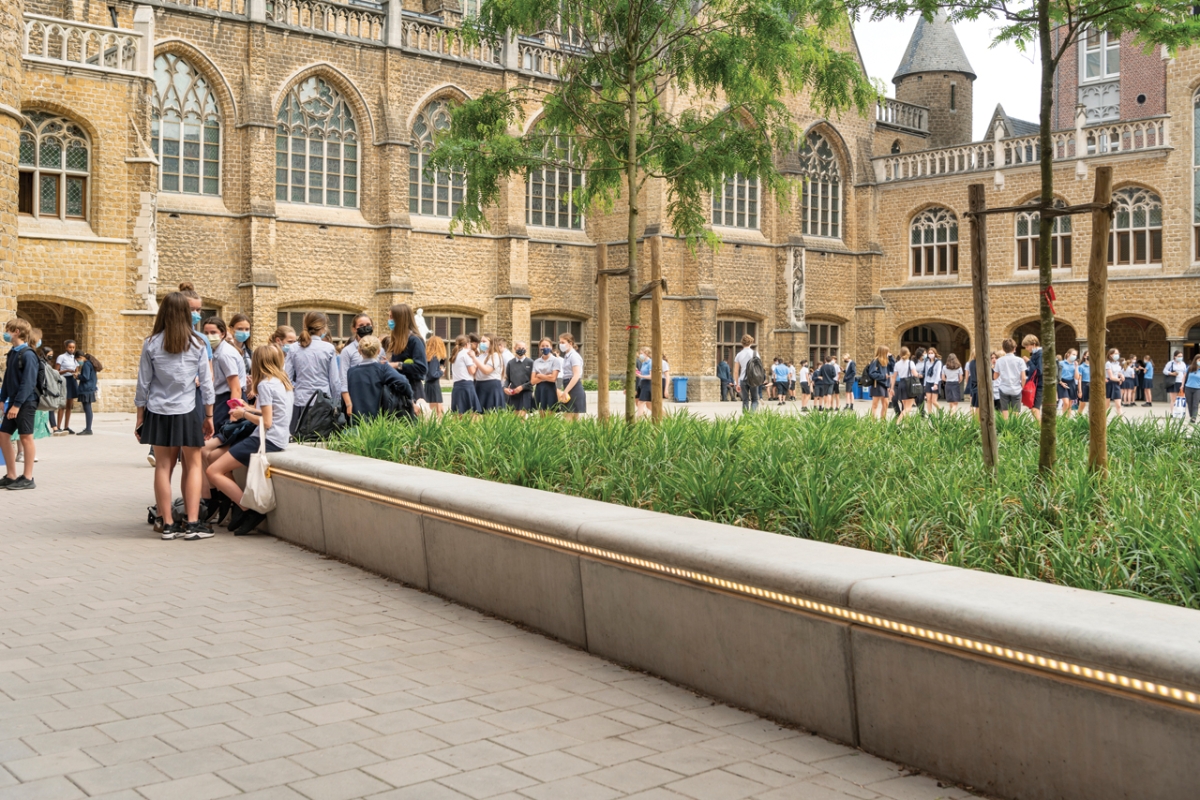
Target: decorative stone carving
point(1101, 101)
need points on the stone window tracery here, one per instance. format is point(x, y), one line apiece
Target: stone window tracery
point(185, 128)
point(1028, 223)
point(438, 193)
point(54, 166)
point(316, 147)
point(548, 190)
point(821, 199)
point(735, 204)
point(934, 239)
point(1136, 238)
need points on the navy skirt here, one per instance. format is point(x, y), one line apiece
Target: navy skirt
point(521, 401)
point(878, 391)
point(433, 391)
point(1086, 394)
point(578, 402)
point(72, 387)
point(643, 390)
point(1129, 383)
point(1068, 392)
point(1112, 390)
point(490, 394)
point(463, 399)
point(954, 393)
point(220, 411)
point(248, 447)
point(545, 396)
point(172, 430)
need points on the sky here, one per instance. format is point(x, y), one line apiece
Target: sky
point(1005, 75)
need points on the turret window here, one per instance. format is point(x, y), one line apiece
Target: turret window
point(54, 168)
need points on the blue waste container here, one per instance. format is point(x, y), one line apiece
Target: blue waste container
point(680, 385)
point(860, 392)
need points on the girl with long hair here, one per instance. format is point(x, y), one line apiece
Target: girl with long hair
point(435, 367)
point(572, 398)
point(463, 399)
point(406, 348)
point(905, 368)
point(952, 375)
point(174, 361)
point(881, 391)
point(489, 374)
point(239, 338)
point(275, 404)
point(312, 366)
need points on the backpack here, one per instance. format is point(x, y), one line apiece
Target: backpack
point(397, 401)
point(51, 387)
point(319, 419)
point(755, 374)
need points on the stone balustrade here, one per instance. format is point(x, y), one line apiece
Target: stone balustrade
point(78, 45)
point(901, 115)
point(322, 16)
point(234, 7)
point(441, 40)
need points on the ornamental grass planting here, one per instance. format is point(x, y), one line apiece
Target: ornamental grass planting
point(916, 489)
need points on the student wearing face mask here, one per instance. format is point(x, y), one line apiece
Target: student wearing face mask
point(284, 338)
point(41, 419)
point(405, 346)
point(229, 371)
point(1191, 388)
point(1113, 378)
point(18, 393)
point(1085, 383)
point(463, 399)
point(571, 396)
point(546, 369)
point(1068, 387)
point(1174, 375)
point(67, 366)
point(1147, 382)
point(239, 337)
point(489, 376)
point(350, 356)
point(518, 376)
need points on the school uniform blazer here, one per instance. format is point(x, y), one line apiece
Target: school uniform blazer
point(518, 372)
point(87, 378)
point(20, 377)
point(415, 350)
point(851, 373)
point(365, 383)
point(1034, 368)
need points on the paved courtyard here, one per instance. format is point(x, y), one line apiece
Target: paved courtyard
point(146, 670)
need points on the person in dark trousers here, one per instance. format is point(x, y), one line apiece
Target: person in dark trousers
point(725, 376)
point(368, 380)
point(849, 376)
point(19, 391)
point(518, 380)
point(89, 365)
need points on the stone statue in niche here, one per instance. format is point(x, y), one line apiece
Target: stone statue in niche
point(422, 327)
point(796, 281)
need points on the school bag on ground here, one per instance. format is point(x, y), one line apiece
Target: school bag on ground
point(755, 374)
point(51, 388)
point(1179, 410)
point(319, 419)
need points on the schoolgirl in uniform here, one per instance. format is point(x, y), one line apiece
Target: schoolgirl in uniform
point(1128, 380)
point(905, 368)
point(644, 394)
point(1148, 382)
point(68, 367)
point(311, 366)
point(276, 402)
point(463, 399)
point(284, 338)
point(571, 377)
point(229, 371)
point(406, 348)
point(1085, 382)
point(89, 385)
point(239, 329)
point(174, 360)
point(546, 369)
point(804, 373)
point(791, 381)
point(518, 373)
point(350, 357)
point(1114, 377)
point(1068, 386)
point(435, 366)
point(952, 374)
point(489, 376)
point(881, 390)
point(932, 378)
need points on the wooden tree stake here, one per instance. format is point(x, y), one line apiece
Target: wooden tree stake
point(979, 288)
point(602, 325)
point(656, 300)
point(1097, 313)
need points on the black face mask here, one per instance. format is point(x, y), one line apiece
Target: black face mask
point(365, 330)
point(521, 352)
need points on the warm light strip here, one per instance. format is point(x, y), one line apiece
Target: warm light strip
point(1111, 680)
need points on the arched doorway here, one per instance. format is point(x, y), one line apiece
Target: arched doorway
point(1065, 336)
point(57, 321)
point(945, 336)
point(1138, 337)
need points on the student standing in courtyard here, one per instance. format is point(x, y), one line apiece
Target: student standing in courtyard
point(1148, 382)
point(311, 366)
point(284, 338)
point(518, 376)
point(1085, 383)
point(1010, 376)
point(902, 386)
point(804, 375)
point(952, 374)
point(1178, 374)
point(725, 376)
point(89, 384)
point(881, 390)
point(1128, 381)
point(275, 403)
point(435, 367)
point(350, 357)
point(546, 369)
point(229, 376)
point(489, 376)
point(1114, 376)
point(779, 371)
point(574, 401)
point(1068, 376)
point(19, 392)
point(933, 378)
point(849, 376)
point(406, 348)
point(463, 399)
point(1034, 370)
point(67, 366)
point(174, 361)
point(748, 377)
point(1191, 388)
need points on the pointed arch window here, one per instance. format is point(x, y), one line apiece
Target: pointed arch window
point(1028, 232)
point(53, 171)
point(1136, 238)
point(316, 147)
point(185, 128)
point(934, 243)
point(437, 193)
point(821, 196)
point(549, 199)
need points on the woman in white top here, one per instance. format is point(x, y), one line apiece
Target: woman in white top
point(546, 369)
point(1114, 376)
point(904, 370)
point(275, 404)
point(312, 366)
point(173, 364)
point(489, 376)
point(933, 377)
point(953, 375)
point(463, 399)
point(805, 385)
point(67, 366)
point(572, 398)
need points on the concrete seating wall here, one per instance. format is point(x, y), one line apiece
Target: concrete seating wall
point(1004, 728)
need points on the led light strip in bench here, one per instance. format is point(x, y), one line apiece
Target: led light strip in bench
point(1111, 680)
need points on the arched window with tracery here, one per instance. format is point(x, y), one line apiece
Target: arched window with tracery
point(549, 199)
point(934, 243)
point(735, 203)
point(316, 147)
point(438, 193)
point(821, 197)
point(1136, 238)
point(1028, 232)
point(185, 128)
point(55, 158)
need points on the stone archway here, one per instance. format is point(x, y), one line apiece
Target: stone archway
point(57, 321)
point(1138, 337)
point(1065, 336)
point(945, 336)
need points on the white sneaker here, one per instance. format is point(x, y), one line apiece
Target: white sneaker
point(422, 406)
point(150, 458)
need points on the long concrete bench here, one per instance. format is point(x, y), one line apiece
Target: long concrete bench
point(1021, 689)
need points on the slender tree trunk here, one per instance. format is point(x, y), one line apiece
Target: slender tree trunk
point(1047, 444)
point(602, 330)
point(1097, 314)
point(631, 174)
point(983, 366)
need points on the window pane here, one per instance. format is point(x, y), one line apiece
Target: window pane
point(49, 195)
point(51, 153)
point(75, 195)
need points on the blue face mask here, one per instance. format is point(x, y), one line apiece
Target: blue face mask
point(391, 324)
point(545, 351)
point(7, 337)
point(287, 348)
point(195, 318)
point(241, 336)
point(39, 343)
point(483, 347)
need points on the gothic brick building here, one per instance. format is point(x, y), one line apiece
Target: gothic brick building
point(271, 152)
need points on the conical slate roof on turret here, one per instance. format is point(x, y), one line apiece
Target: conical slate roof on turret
point(934, 47)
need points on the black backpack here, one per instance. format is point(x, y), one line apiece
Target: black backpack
point(397, 400)
point(319, 419)
point(755, 374)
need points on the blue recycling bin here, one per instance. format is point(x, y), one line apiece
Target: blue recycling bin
point(861, 393)
point(680, 385)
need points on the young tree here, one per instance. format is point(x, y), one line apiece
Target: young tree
point(673, 90)
point(1053, 26)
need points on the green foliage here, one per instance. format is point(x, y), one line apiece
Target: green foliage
point(591, 385)
point(917, 489)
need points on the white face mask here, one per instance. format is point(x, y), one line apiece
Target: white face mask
point(564, 348)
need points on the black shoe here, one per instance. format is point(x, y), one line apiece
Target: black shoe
point(210, 506)
point(6, 481)
point(1148, 405)
point(158, 525)
point(223, 506)
point(175, 530)
point(235, 517)
point(86, 432)
point(198, 530)
point(250, 520)
point(21, 483)
point(71, 432)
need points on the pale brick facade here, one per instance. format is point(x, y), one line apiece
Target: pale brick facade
point(95, 277)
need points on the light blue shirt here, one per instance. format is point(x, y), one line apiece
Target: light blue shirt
point(1193, 380)
point(166, 382)
point(227, 362)
point(271, 392)
point(349, 357)
point(781, 373)
point(1085, 373)
point(314, 369)
point(1066, 371)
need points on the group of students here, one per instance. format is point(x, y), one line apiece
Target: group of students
point(818, 385)
point(23, 422)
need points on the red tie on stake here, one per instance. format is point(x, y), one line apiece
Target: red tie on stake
point(1050, 297)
